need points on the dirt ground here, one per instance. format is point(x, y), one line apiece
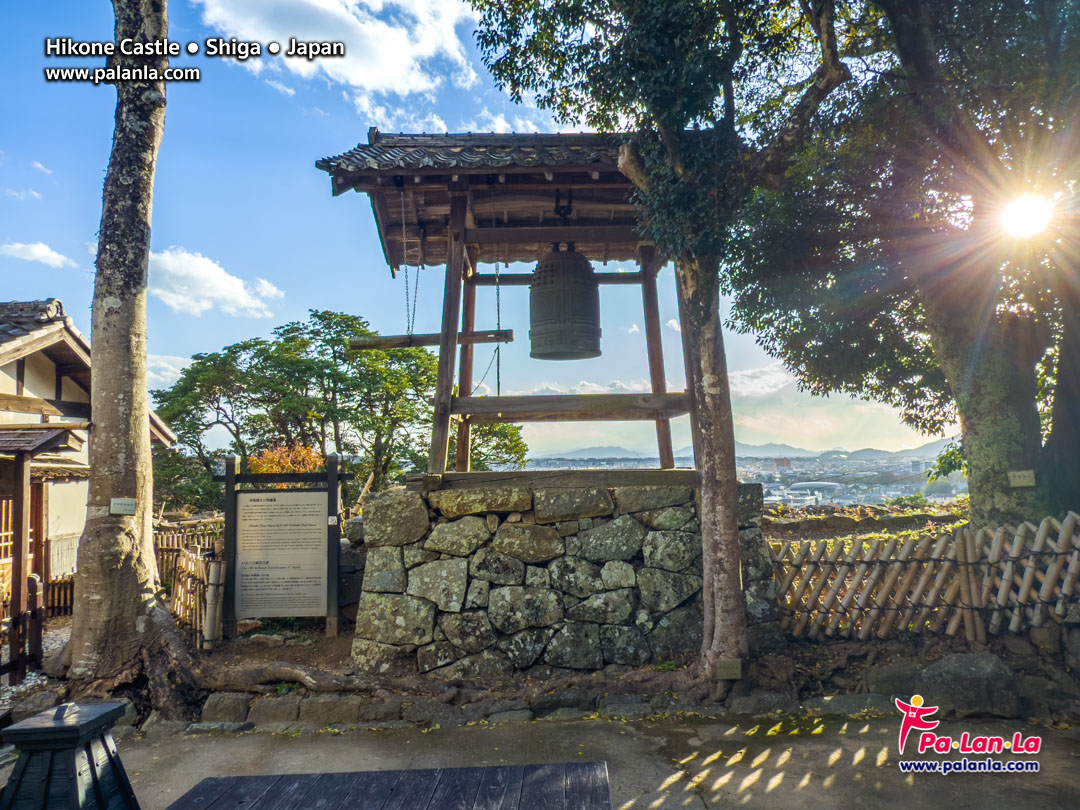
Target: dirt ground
point(695, 764)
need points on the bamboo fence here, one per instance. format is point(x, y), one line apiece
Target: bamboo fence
point(989, 581)
point(185, 554)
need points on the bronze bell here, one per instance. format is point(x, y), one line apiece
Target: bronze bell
point(564, 308)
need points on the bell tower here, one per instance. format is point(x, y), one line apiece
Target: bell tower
point(467, 200)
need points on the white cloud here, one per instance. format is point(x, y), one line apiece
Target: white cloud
point(162, 370)
point(37, 165)
point(760, 382)
point(36, 252)
point(673, 324)
point(192, 283)
point(284, 89)
point(633, 330)
point(488, 121)
point(29, 194)
point(396, 47)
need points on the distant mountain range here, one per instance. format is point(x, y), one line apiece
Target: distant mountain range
point(771, 450)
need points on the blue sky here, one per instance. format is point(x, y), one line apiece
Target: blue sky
point(246, 235)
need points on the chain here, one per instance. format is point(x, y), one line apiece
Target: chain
point(410, 312)
point(498, 307)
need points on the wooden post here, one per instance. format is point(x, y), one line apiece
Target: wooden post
point(333, 544)
point(686, 366)
point(649, 268)
point(228, 625)
point(20, 540)
point(35, 612)
point(463, 462)
point(42, 552)
point(444, 386)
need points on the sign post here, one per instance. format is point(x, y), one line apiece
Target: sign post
point(282, 545)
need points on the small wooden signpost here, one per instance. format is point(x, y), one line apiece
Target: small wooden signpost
point(282, 545)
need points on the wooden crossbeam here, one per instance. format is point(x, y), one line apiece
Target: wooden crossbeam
point(525, 279)
point(431, 339)
point(571, 407)
point(25, 404)
point(553, 233)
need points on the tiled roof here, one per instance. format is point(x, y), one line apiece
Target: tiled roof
point(23, 320)
point(32, 440)
point(474, 151)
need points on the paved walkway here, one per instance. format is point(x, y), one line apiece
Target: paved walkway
point(670, 764)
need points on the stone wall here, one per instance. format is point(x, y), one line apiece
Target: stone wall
point(479, 583)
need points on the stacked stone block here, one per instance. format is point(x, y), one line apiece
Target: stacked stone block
point(483, 582)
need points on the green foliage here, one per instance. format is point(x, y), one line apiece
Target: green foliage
point(182, 483)
point(701, 85)
point(951, 459)
point(303, 388)
point(883, 211)
point(494, 447)
point(909, 501)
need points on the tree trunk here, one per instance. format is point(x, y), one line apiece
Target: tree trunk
point(989, 362)
point(121, 631)
point(1059, 474)
point(724, 607)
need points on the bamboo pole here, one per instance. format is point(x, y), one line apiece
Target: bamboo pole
point(853, 590)
point(1005, 589)
point(930, 602)
point(885, 592)
point(838, 582)
point(868, 586)
point(925, 580)
point(965, 585)
point(1030, 566)
point(975, 587)
point(812, 601)
point(796, 600)
point(1068, 527)
point(890, 617)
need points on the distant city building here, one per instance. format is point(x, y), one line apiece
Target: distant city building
point(781, 464)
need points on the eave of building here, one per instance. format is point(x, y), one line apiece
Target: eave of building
point(510, 182)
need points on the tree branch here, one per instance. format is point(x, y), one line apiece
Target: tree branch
point(770, 163)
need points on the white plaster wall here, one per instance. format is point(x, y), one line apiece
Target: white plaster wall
point(40, 378)
point(67, 507)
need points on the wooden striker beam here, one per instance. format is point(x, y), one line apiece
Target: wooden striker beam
point(444, 385)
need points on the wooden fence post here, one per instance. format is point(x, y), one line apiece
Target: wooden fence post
point(333, 544)
point(34, 612)
point(228, 628)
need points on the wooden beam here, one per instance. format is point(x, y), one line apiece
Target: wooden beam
point(20, 541)
point(571, 407)
point(20, 376)
point(444, 384)
point(50, 426)
point(555, 478)
point(525, 279)
point(24, 404)
point(553, 233)
point(463, 459)
point(430, 339)
point(654, 346)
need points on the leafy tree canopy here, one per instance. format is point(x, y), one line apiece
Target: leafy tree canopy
point(304, 389)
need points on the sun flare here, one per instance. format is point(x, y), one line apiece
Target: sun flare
point(1027, 216)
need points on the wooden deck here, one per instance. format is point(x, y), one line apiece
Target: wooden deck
point(572, 786)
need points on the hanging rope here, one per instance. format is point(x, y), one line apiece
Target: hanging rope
point(410, 312)
point(498, 307)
